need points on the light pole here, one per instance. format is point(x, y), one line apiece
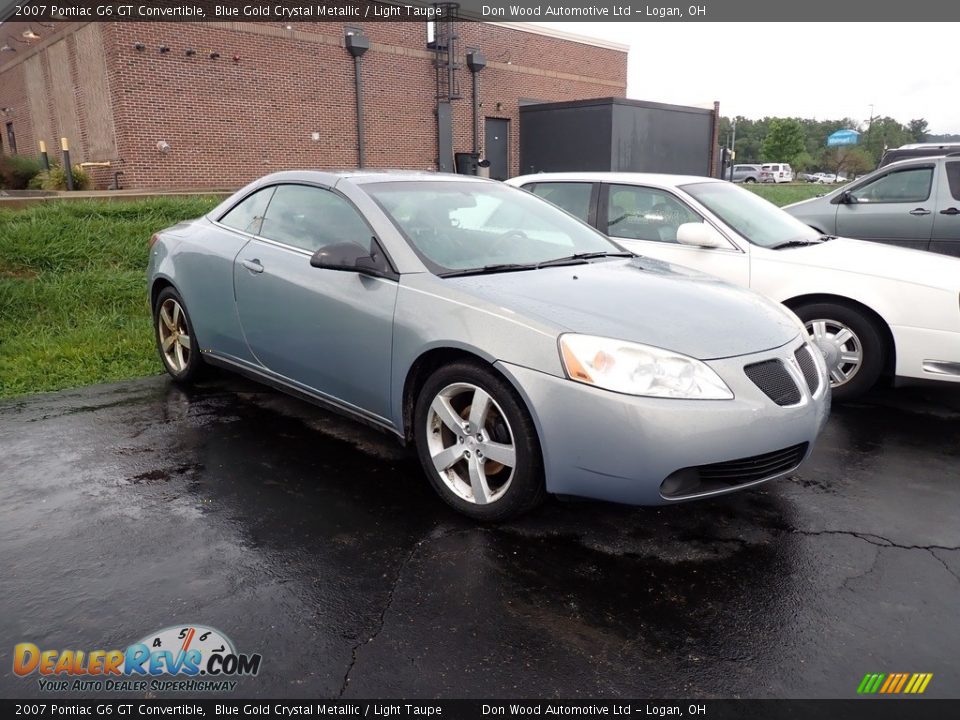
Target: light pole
point(870, 127)
point(733, 146)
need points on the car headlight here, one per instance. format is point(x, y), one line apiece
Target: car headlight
point(636, 369)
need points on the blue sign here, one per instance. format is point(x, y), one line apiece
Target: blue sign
point(843, 137)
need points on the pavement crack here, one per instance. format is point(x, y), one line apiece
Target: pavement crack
point(434, 534)
point(873, 539)
point(945, 564)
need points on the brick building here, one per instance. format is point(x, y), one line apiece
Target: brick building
point(235, 100)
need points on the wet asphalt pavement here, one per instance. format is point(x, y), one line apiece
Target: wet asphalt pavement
point(318, 543)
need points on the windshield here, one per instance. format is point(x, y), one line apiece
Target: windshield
point(473, 225)
point(756, 219)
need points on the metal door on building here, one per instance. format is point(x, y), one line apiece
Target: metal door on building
point(496, 135)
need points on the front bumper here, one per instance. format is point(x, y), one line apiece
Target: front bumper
point(604, 445)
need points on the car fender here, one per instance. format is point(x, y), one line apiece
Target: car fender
point(896, 302)
point(472, 326)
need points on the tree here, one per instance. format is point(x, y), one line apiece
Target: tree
point(918, 129)
point(885, 133)
point(803, 162)
point(847, 159)
point(784, 140)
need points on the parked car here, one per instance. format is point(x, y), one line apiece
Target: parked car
point(520, 350)
point(913, 203)
point(776, 173)
point(917, 150)
point(870, 309)
point(744, 174)
point(806, 177)
point(824, 178)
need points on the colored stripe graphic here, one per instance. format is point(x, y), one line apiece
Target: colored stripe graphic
point(903, 681)
point(870, 683)
point(894, 683)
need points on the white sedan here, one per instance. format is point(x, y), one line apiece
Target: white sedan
point(829, 179)
point(871, 309)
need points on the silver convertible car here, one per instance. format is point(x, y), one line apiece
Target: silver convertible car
point(519, 349)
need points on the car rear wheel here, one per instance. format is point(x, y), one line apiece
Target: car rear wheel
point(750, 180)
point(176, 342)
point(477, 443)
point(851, 345)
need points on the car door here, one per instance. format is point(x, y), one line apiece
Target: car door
point(946, 220)
point(328, 331)
point(645, 220)
point(896, 207)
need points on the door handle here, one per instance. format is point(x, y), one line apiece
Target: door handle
point(253, 266)
point(950, 211)
point(920, 211)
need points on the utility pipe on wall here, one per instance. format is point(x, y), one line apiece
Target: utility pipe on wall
point(357, 44)
point(476, 62)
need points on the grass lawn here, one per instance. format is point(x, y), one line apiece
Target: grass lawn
point(73, 299)
point(786, 193)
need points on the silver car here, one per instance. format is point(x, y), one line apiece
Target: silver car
point(521, 351)
point(912, 203)
point(744, 173)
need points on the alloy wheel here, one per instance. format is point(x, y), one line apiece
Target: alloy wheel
point(470, 443)
point(174, 333)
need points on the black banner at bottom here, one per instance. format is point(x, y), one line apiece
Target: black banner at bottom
point(854, 709)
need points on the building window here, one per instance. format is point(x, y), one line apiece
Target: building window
point(11, 139)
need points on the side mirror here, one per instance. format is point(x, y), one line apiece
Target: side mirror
point(350, 257)
point(701, 235)
point(846, 198)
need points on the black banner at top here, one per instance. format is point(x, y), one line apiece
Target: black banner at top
point(259, 709)
point(488, 10)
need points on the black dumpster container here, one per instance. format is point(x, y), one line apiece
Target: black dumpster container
point(615, 134)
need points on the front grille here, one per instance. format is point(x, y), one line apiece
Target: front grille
point(732, 473)
point(773, 379)
point(808, 366)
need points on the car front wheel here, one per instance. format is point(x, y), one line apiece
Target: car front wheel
point(477, 443)
point(176, 341)
point(850, 343)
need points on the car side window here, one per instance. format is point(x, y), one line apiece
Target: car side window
point(642, 213)
point(953, 177)
point(310, 218)
point(900, 186)
point(247, 215)
point(572, 197)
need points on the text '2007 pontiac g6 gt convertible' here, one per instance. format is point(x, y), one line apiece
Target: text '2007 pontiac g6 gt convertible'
point(521, 351)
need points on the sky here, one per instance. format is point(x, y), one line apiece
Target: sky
point(810, 70)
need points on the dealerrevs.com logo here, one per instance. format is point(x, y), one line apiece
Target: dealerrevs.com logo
point(189, 658)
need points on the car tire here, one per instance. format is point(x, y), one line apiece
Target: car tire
point(175, 339)
point(841, 331)
point(467, 448)
point(750, 180)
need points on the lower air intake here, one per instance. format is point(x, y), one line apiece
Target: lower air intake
point(720, 476)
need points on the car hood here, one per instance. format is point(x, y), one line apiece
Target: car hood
point(878, 260)
point(642, 300)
